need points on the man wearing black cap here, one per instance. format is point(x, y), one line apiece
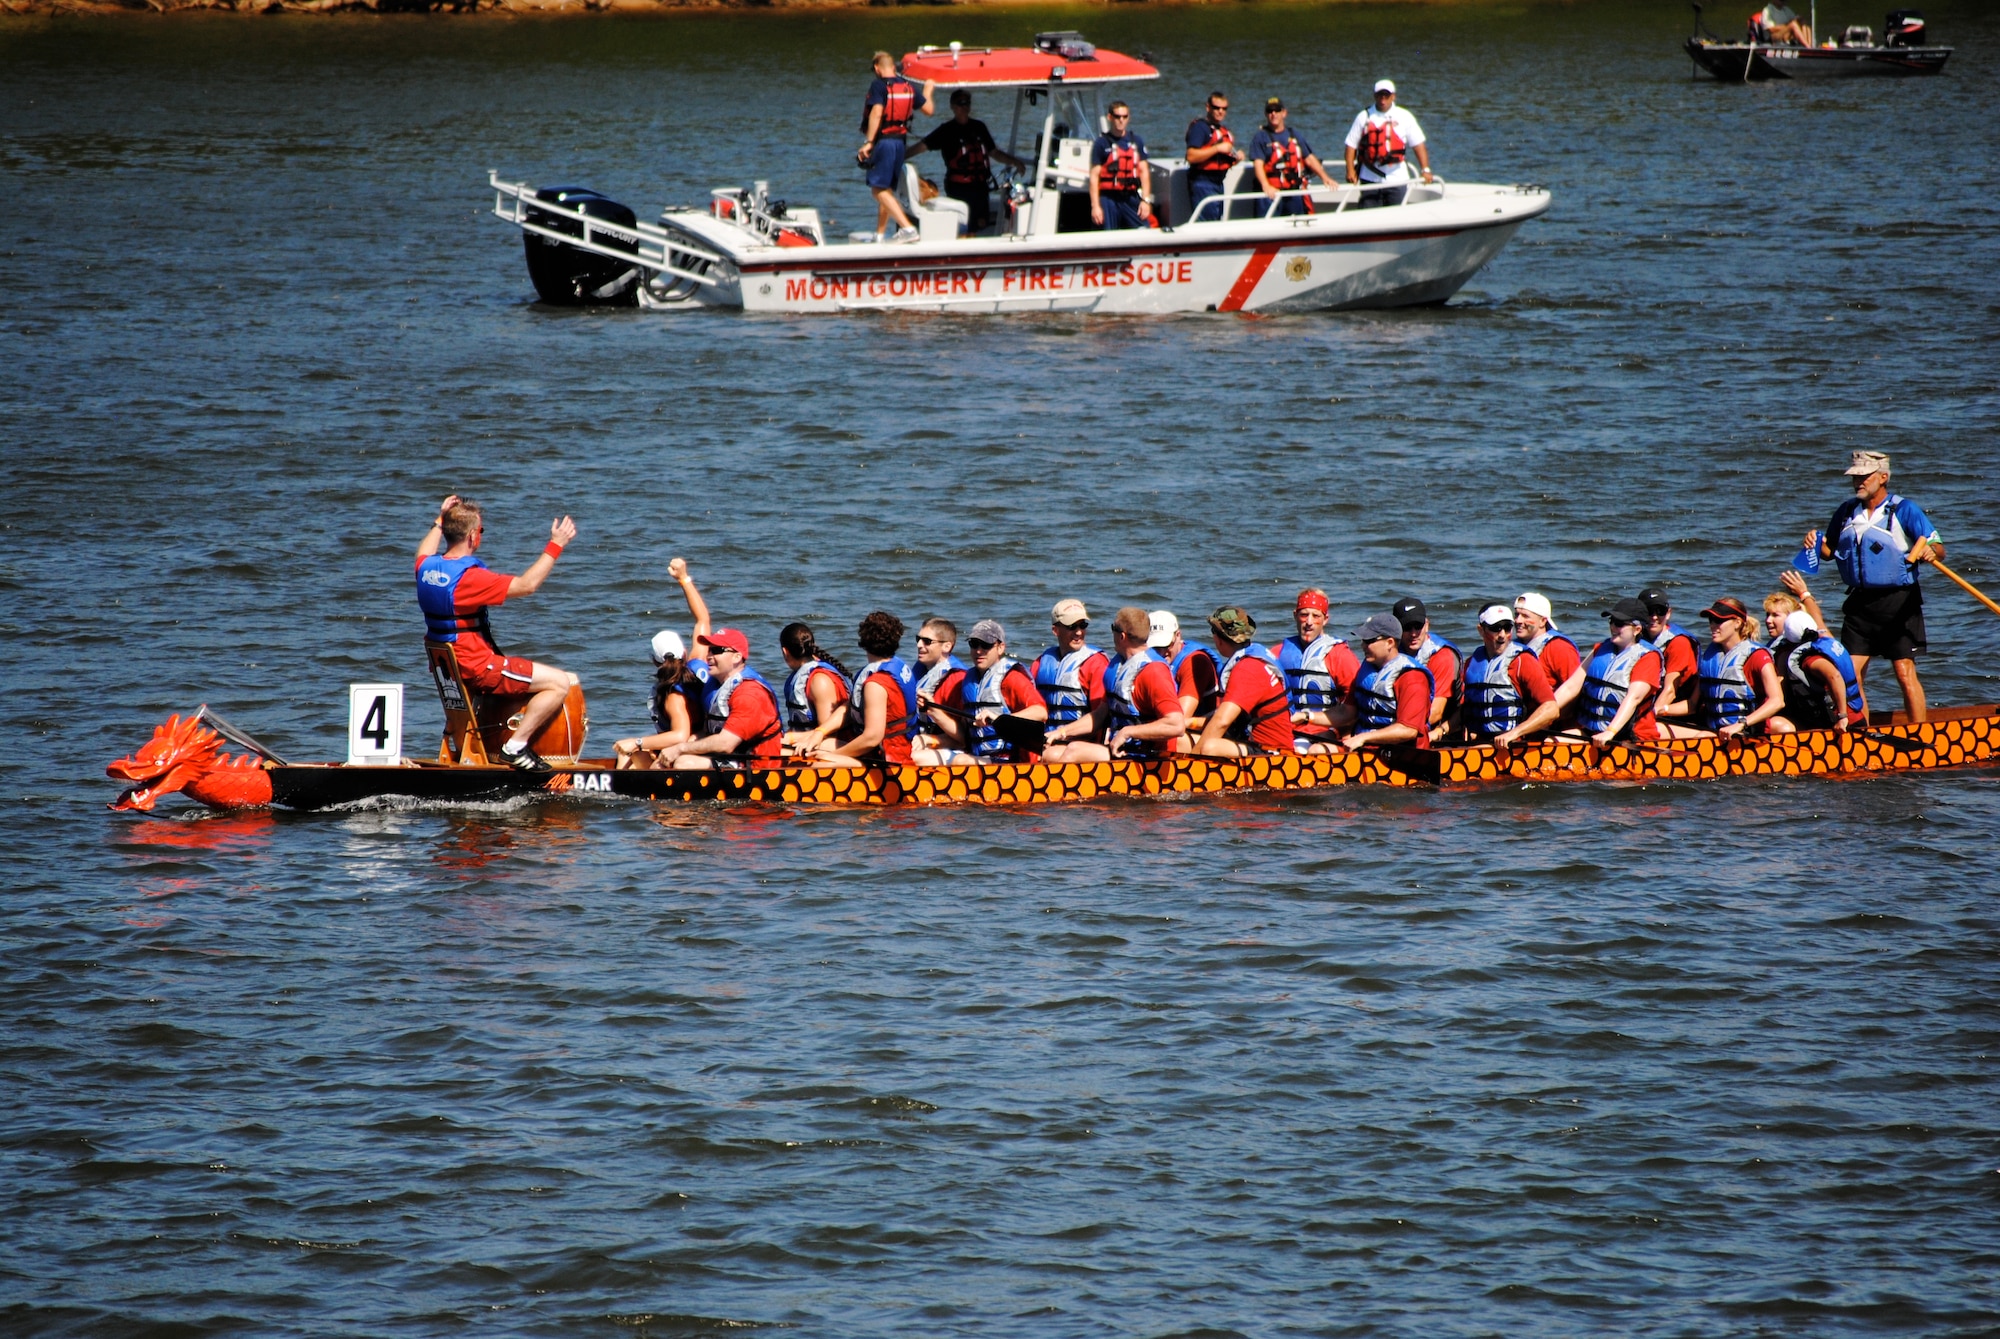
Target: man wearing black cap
point(1679, 656)
point(1621, 677)
point(1282, 158)
point(1391, 702)
point(1434, 653)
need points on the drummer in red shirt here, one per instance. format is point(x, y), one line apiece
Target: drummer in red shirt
point(1139, 715)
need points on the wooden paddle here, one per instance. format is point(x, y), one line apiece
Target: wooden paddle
point(1970, 589)
point(1423, 764)
point(1019, 731)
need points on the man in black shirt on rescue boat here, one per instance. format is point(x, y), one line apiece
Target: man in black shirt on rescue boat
point(969, 151)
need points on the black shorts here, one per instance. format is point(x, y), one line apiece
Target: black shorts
point(1884, 621)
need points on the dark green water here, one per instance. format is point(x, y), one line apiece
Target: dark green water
point(1667, 1060)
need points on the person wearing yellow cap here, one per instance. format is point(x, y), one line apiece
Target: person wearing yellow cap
point(1070, 673)
point(1137, 715)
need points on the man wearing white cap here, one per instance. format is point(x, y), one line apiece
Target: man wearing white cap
point(1196, 669)
point(1877, 539)
point(1535, 628)
point(1506, 693)
point(1378, 143)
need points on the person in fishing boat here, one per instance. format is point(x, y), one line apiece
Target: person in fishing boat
point(968, 150)
point(886, 113)
point(1434, 653)
point(1504, 693)
point(1535, 628)
point(1121, 181)
point(743, 723)
point(679, 696)
point(1378, 146)
point(1822, 691)
point(815, 692)
point(1621, 677)
point(1777, 22)
point(1070, 674)
point(1678, 654)
point(939, 673)
point(882, 717)
point(1138, 715)
point(1319, 667)
point(1253, 714)
point(1876, 540)
point(455, 590)
point(1196, 669)
point(1391, 701)
point(995, 686)
point(1735, 690)
point(1211, 153)
point(1281, 159)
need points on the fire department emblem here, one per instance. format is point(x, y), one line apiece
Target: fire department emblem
point(1298, 267)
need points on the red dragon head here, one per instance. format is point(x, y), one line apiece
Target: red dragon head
point(185, 756)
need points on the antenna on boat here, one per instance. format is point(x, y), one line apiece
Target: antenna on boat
point(236, 735)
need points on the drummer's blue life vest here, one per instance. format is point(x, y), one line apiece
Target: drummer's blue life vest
point(982, 695)
point(928, 682)
point(1060, 679)
point(1206, 703)
point(1375, 691)
point(1307, 679)
point(718, 699)
point(1869, 548)
point(1606, 677)
point(1492, 702)
point(1792, 664)
point(902, 698)
point(437, 595)
point(800, 711)
point(1279, 703)
point(1727, 695)
point(1119, 676)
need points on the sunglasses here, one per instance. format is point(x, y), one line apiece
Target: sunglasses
point(926, 641)
point(1218, 106)
point(1121, 116)
point(980, 648)
point(1077, 626)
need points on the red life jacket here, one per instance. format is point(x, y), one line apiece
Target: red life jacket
point(968, 162)
point(1219, 165)
point(899, 104)
point(1381, 146)
point(1284, 165)
point(1120, 171)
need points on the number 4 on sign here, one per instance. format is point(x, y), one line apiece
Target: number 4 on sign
point(374, 724)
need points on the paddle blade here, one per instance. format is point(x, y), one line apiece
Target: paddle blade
point(1896, 742)
point(1022, 733)
point(1417, 764)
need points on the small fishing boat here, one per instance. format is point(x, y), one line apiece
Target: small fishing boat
point(1903, 50)
point(185, 755)
point(746, 249)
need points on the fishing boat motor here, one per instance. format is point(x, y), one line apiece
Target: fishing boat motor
point(1903, 27)
point(569, 276)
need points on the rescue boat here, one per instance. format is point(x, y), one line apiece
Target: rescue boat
point(747, 249)
point(185, 755)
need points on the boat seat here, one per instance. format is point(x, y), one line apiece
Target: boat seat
point(940, 218)
point(471, 719)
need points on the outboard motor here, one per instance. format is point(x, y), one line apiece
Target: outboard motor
point(569, 276)
point(1903, 27)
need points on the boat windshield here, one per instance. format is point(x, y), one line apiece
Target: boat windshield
point(1058, 112)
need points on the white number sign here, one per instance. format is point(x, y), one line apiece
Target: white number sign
point(374, 724)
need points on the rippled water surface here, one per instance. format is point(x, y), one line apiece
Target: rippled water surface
point(1675, 1059)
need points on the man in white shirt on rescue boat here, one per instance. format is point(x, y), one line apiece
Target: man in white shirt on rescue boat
point(1378, 142)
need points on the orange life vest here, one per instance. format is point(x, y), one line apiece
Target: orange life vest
point(1120, 170)
point(1381, 146)
point(899, 104)
point(1218, 166)
point(1284, 165)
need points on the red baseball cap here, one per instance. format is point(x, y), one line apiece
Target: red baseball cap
point(728, 637)
point(1311, 599)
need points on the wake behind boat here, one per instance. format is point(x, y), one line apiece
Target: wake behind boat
point(746, 249)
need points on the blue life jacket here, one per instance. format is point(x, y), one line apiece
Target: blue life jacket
point(1872, 551)
point(1311, 685)
point(1059, 677)
point(697, 688)
point(1119, 677)
point(1551, 635)
point(719, 696)
point(1606, 677)
point(800, 711)
point(437, 595)
point(1792, 664)
point(1205, 704)
point(1665, 638)
point(984, 693)
point(1492, 703)
point(1375, 691)
point(938, 673)
point(1278, 704)
point(1432, 644)
point(1727, 695)
point(904, 680)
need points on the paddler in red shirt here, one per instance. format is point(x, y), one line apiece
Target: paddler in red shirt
point(996, 686)
point(1253, 715)
point(1435, 654)
point(455, 589)
point(1139, 714)
point(1535, 628)
point(742, 711)
point(1391, 701)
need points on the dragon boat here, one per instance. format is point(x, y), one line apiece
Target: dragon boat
point(185, 755)
point(745, 249)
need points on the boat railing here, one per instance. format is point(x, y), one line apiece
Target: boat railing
point(1345, 195)
point(646, 244)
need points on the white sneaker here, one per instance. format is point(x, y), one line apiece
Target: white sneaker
point(907, 234)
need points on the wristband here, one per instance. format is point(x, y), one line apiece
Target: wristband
point(552, 549)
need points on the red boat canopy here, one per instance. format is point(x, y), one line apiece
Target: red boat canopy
point(976, 67)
